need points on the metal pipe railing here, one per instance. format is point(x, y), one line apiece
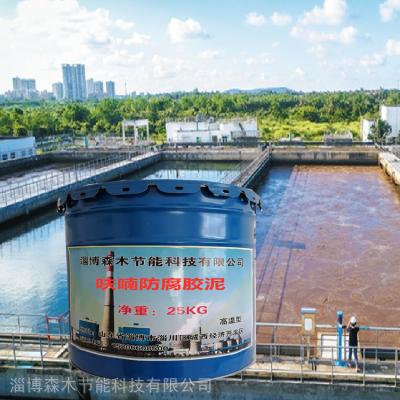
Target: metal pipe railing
point(300, 367)
point(34, 186)
point(232, 174)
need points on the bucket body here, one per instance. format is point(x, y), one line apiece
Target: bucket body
point(161, 279)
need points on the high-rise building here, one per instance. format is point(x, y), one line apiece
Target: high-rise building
point(28, 84)
point(16, 84)
point(89, 87)
point(58, 90)
point(98, 87)
point(74, 81)
point(23, 84)
point(110, 89)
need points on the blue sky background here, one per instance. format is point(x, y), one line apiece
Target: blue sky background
point(163, 46)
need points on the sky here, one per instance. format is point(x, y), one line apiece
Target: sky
point(159, 46)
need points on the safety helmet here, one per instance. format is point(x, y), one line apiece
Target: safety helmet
point(353, 320)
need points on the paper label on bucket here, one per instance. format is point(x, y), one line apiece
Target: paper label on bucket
point(161, 301)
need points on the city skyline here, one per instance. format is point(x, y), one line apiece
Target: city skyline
point(322, 45)
point(74, 86)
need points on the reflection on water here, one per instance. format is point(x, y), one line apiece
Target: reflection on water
point(32, 252)
point(207, 171)
point(17, 178)
point(271, 187)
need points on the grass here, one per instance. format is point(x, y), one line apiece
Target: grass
point(273, 129)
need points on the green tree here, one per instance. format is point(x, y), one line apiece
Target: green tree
point(73, 116)
point(380, 129)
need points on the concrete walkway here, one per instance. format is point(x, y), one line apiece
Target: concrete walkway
point(19, 191)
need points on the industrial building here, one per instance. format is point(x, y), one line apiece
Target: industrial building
point(208, 130)
point(12, 148)
point(390, 114)
point(366, 124)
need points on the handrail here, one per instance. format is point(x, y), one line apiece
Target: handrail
point(310, 362)
point(233, 173)
point(66, 176)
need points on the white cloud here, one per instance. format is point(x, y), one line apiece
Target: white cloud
point(179, 31)
point(299, 73)
point(388, 8)
point(266, 59)
point(209, 54)
point(53, 32)
point(346, 35)
point(337, 65)
point(392, 48)
point(375, 60)
point(332, 13)
point(318, 50)
point(206, 75)
point(348, 62)
point(272, 80)
point(275, 44)
point(123, 59)
point(281, 19)
point(137, 39)
point(251, 61)
point(254, 19)
point(123, 25)
point(169, 67)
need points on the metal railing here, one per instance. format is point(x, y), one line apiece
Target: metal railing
point(33, 348)
point(371, 336)
point(250, 172)
point(308, 365)
point(278, 359)
point(34, 186)
point(22, 323)
point(232, 174)
point(213, 145)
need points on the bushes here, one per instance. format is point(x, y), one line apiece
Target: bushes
point(273, 129)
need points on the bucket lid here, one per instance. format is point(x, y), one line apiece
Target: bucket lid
point(172, 186)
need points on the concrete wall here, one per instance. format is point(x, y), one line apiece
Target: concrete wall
point(325, 156)
point(248, 389)
point(201, 155)
point(36, 161)
point(34, 203)
point(23, 163)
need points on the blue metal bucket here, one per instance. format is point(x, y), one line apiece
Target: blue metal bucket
point(161, 279)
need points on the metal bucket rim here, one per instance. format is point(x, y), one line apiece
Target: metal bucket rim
point(170, 186)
